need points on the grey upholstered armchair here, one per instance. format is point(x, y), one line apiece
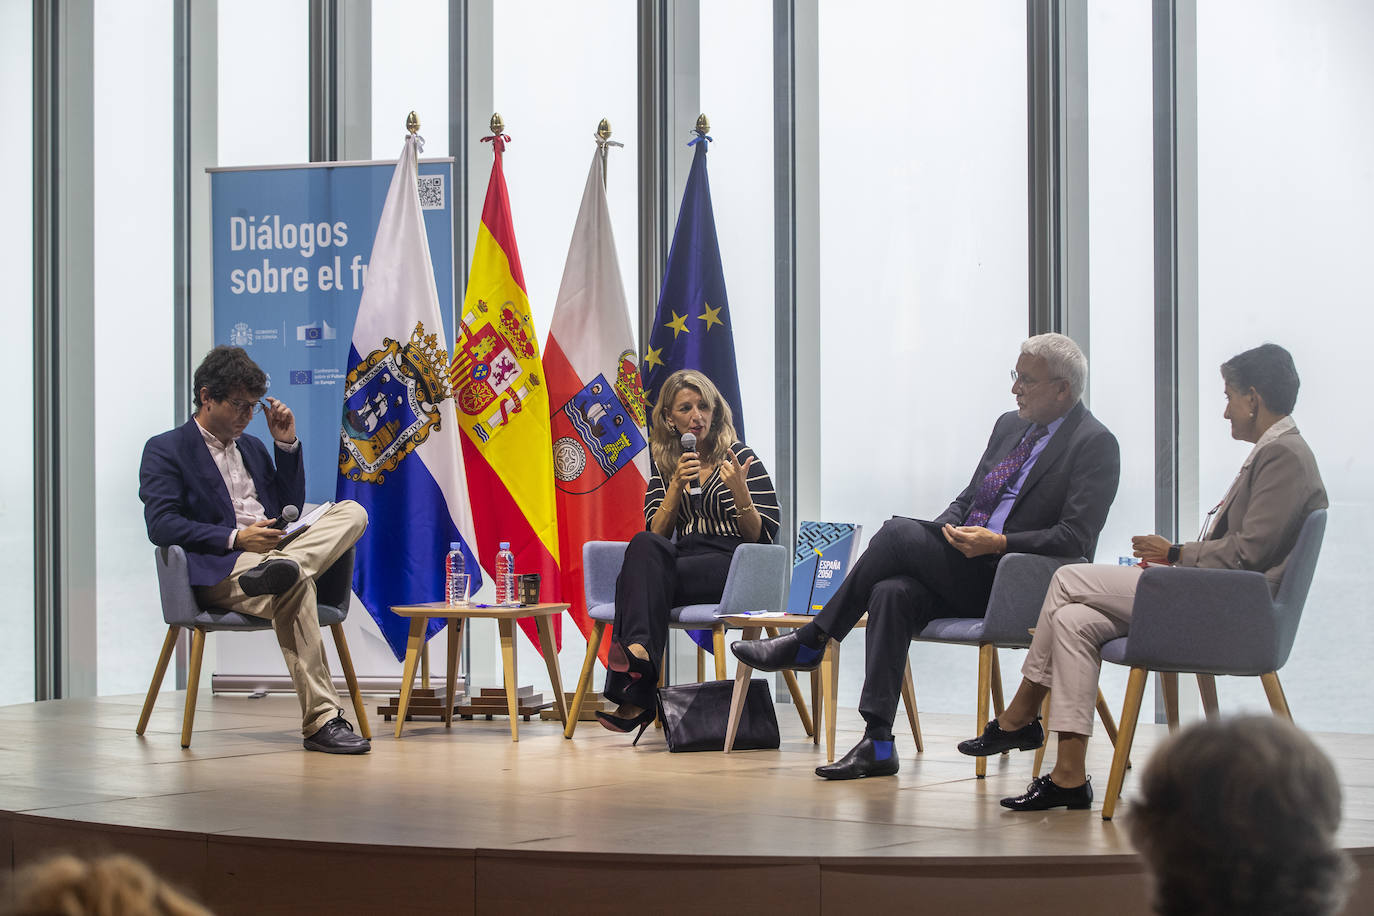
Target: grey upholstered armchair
point(181, 611)
point(757, 580)
point(1209, 622)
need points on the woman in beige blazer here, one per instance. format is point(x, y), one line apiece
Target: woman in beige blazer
point(1253, 527)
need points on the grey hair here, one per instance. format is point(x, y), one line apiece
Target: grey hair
point(1065, 360)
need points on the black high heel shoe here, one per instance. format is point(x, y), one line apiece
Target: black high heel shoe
point(624, 724)
point(617, 659)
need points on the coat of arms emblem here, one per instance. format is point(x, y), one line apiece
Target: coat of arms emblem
point(391, 404)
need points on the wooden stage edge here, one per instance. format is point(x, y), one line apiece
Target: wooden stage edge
point(464, 820)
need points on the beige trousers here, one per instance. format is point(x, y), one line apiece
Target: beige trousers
point(1086, 606)
point(294, 614)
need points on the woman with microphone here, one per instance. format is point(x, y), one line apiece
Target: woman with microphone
point(709, 493)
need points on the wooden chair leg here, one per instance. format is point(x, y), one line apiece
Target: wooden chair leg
point(1274, 690)
point(997, 701)
point(351, 679)
point(1130, 714)
point(817, 707)
point(1040, 751)
point(790, 678)
point(718, 650)
point(584, 680)
point(909, 701)
point(737, 696)
point(192, 685)
point(1169, 682)
point(986, 653)
point(1207, 690)
point(1104, 713)
point(701, 664)
point(159, 673)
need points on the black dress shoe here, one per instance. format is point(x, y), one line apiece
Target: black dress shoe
point(336, 737)
point(1042, 794)
point(784, 652)
point(862, 760)
point(271, 577)
point(994, 740)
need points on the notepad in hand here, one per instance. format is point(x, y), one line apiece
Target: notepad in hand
point(304, 522)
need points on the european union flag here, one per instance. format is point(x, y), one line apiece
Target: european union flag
point(692, 328)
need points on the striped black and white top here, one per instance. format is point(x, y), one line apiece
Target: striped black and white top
point(718, 515)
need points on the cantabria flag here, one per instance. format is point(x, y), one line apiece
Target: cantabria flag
point(600, 450)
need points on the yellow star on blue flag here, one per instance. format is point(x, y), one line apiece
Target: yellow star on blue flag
point(711, 317)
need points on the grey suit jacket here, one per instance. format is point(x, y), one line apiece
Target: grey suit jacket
point(1258, 522)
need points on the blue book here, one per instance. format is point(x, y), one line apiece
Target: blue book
point(825, 551)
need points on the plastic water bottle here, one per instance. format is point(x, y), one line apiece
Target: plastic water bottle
point(506, 595)
point(455, 578)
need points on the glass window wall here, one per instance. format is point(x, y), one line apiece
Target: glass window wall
point(133, 322)
point(1121, 271)
point(923, 269)
point(16, 311)
point(1284, 196)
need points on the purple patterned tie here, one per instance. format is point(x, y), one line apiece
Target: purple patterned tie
point(990, 490)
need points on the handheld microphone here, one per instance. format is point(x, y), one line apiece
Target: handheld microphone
point(689, 444)
point(288, 515)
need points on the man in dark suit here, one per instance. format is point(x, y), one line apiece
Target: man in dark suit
point(1043, 486)
point(215, 492)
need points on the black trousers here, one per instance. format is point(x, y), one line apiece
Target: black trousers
point(657, 576)
point(908, 576)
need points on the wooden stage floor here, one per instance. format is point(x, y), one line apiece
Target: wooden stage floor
point(462, 820)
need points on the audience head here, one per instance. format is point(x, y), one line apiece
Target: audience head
point(1267, 369)
point(1240, 816)
point(1050, 377)
point(687, 388)
point(226, 371)
point(116, 885)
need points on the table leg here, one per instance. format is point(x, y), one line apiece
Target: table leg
point(830, 685)
point(507, 628)
point(455, 643)
point(742, 672)
point(545, 627)
point(415, 642)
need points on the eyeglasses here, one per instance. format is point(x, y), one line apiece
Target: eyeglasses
point(248, 407)
point(1028, 382)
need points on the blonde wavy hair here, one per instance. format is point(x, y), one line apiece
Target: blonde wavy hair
point(665, 442)
point(112, 885)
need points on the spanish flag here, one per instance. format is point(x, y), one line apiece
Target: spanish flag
point(499, 387)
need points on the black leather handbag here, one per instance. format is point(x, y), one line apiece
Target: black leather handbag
point(695, 716)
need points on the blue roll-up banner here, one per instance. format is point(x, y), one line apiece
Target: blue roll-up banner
point(291, 246)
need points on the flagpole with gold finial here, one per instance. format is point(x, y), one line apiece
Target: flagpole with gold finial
point(603, 144)
point(413, 123)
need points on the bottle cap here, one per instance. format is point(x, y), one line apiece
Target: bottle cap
point(454, 545)
point(505, 545)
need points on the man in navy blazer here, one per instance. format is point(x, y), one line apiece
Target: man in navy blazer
point(1043, 486)
point(216, 492)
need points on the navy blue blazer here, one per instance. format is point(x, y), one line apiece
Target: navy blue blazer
point(185, 501)
point(1063, 505)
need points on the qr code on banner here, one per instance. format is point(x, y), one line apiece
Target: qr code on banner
point(431, 192)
